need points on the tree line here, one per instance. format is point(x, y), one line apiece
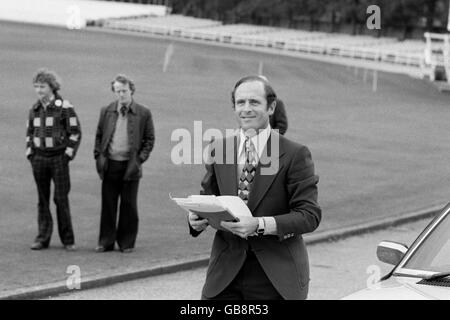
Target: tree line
point(402, 18)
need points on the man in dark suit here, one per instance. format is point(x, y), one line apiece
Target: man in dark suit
point(264, 256)
point(123, 142)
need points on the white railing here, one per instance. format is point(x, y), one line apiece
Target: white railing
point(308, 45)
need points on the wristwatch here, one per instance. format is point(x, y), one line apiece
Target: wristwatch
point(261, 226)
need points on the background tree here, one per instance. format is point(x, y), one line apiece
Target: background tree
point(397, 16)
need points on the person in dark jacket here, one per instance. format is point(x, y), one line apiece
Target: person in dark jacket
point(123, 142)
point(53, 138)
point(278, 120)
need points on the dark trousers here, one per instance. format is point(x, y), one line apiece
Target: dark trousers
point(113, 188)
point(46, 169)
point(251, 283)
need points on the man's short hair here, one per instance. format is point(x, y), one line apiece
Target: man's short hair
point(271, 96)
point(124, 80)
point(47, 76)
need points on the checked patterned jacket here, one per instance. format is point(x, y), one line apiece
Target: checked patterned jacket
point(53, 130)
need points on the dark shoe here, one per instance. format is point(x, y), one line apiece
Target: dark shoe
point(38, 246)
point(127, 250)
point(103, 249)
point(70, 247)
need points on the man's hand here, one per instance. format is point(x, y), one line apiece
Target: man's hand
point(197, 223)
point(246, 227)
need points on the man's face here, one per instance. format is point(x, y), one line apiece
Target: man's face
point(43, 90)
point(123, 92)
point(250, 106)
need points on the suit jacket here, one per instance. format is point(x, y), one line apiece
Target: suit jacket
point(290, 196)
point(141, 136)
point(278, 120)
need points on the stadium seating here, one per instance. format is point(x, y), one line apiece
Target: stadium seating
point(155, 19)
point(388, 50)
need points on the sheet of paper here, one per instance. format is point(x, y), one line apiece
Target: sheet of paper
point(235, 205)
point(210, 203)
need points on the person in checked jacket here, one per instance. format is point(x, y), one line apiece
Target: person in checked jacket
point(52, 140)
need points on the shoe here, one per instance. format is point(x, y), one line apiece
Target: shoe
point(127, 250)
point(70, 247)
point(103, 249)
point(38, 246)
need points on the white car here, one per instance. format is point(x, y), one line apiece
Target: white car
point(421, 272)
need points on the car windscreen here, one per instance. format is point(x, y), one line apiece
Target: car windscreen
point(433, 254)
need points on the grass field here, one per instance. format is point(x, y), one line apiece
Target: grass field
point(377, 154)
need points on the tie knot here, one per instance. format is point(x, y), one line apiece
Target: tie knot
point(249, 144)
point(250, 150)
point(123, 110)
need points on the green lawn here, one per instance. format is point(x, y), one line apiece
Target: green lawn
point(377, 154)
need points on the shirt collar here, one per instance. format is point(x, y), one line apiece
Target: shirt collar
point(51, 102)
point(259, 140)
point(130, 107)
point(48, 103)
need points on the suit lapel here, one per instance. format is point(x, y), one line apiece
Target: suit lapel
point(111, 115)
point(262, 182)
point(132, 125)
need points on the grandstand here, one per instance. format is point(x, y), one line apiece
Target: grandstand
point(389, 50)
point(163, 25)
point(157, 20)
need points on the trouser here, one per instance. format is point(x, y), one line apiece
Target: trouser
point(46, 169)
point(251, 283)
point(113, 188)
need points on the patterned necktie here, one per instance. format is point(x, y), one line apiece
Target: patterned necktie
point(248, 172)
point(123, 110)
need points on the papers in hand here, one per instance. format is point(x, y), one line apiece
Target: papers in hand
point(215, 208)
